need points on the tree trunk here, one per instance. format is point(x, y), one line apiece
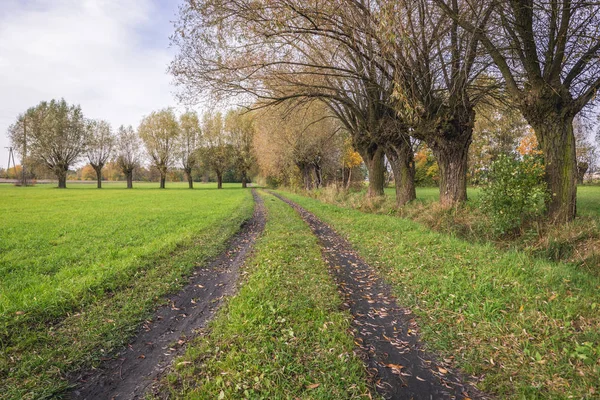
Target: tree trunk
point(349, 178)
point(163, 178)
point(244, 180)
point(318, 175)
point(61, 174)
point(450, 147)
point(401, 158)
point(188, 174)
point(373, 158)
point(582, 168)
point(219, 180)
point(451, 157)
point(555, 134)
point(98, 170)
point(129, 175)
point(306, 172)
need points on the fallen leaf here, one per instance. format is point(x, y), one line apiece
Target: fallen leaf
point(313, 386)
point(395, 366)
point(443, 370)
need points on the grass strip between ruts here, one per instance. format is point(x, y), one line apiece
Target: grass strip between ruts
point(531, 328)
point(283, 335)
point(36, 363)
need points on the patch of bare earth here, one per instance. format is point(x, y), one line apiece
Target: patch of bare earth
point(136, 368)
point(385, 333)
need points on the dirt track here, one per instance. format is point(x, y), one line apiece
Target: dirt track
point(387, 334)
point(134, 370)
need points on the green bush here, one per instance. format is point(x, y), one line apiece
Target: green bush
point(515, 192)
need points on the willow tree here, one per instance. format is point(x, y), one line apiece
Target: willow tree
point(101, 142)
point(56, 136)
point(437, 84)
point(548, 54)
point(189, 140)
point(128, 152)
point(291, 51)
point(299, 144)
point(215, 150)
point(240, 127)
point(160, 133)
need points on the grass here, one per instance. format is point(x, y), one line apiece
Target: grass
point(577, 242)
point(588, 197)
point(80, 268)
point(283, 335)
point(529, 327)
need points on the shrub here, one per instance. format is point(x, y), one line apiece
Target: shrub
point(515, 193)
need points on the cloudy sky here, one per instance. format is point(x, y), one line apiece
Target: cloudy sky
point(109, 56)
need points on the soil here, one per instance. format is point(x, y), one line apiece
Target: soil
point(136, 368)
point(385, 333)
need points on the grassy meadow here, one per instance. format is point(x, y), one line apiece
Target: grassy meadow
point(529, 327)
point(79, 268)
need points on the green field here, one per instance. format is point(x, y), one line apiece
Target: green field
point(588, 197)
point(70, 260)
point(530, 327)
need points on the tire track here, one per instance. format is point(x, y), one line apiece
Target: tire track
point(386, 334)
point(136, 368)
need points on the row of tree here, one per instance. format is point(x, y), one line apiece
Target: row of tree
point(394, 72)
point(58, 136)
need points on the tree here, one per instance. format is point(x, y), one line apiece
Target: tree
point(189, 140)
point(547, 54)
point(350, 160)
point(128, 152)
point(215, 150)
point(301, 146)
point(329, 53)
point(100, 146)
point(240, 127)
point(160, 133)
point(56, 135)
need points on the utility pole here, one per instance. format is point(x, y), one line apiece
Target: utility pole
point(11, 155)
point(24, 151)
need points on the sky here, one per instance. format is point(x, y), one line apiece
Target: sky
point(109, 56)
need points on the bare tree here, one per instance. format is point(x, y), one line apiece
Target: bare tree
point(160, 133)
point(128, 152)
point(547, 52)
point(189, 140)
point(56, 136)
point(100, 146)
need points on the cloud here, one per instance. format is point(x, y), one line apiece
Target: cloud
point(109, 56)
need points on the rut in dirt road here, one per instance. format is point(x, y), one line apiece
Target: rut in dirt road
point(385, 333)
point(134, 371)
